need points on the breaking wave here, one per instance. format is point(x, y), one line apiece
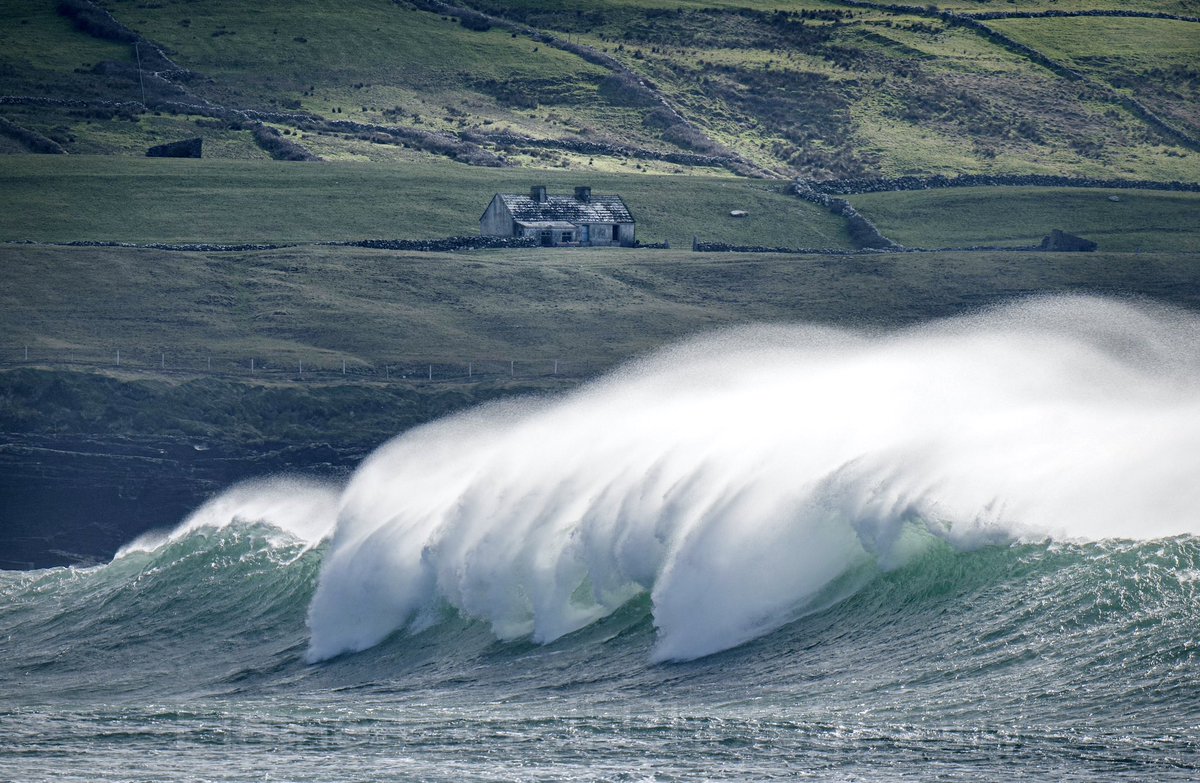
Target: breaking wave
point(748, 478)
point(302, 508)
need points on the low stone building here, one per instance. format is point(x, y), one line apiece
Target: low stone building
point(580, 220)
point(1060, 241)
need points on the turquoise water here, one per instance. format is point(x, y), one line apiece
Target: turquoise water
point(1074, 662)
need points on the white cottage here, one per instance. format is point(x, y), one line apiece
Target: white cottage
point(579, 220)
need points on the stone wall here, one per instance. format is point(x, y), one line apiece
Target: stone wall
point(847, 187)
point(31, 139)
point(862, 231)
point(449, 244)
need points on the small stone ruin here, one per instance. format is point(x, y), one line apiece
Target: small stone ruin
point(188, 148)
point(1058, 240)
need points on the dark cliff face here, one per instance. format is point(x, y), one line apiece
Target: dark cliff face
point(88, 462)
point(75, 500)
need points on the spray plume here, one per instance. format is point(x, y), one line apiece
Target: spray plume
point(305, 510)
point(748, 477)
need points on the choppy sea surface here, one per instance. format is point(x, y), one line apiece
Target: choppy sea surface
point(965, 551)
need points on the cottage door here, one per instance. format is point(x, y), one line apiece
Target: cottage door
point(584, 234)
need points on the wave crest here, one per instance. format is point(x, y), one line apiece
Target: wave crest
point(747, 477)
point(302, 508)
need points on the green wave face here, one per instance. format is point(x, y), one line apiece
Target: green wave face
point(1073, 628)
point(1069, 661)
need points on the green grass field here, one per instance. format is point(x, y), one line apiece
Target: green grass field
point(69, 198)
point(143, 200)
point(1148, 220)
point(323, 305)
point(1155, 60)
point(1140, 43)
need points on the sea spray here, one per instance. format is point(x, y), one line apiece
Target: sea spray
point(738, 477)
point(302, 508)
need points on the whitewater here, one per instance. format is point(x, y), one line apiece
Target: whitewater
point(966, 549)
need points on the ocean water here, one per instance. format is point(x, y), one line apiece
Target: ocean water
point(967, 550)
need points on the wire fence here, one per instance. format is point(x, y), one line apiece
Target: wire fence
point(316, 367)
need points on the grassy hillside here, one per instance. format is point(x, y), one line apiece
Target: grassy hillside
point(1019, 217)
point(812, 88)
point(40, 52)
point(1155, 60)
point(372, 309)
point(60, 198)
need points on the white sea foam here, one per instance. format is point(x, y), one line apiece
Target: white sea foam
point(735, 478)
point(304, 509)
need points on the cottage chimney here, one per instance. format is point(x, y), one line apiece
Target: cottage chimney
point(583, 193)
point(538, 193)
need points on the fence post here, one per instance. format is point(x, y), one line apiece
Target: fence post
point(431, 372)
point(343, 366)
point(118, 357)
point(512, 368)
point(470, 370)
point(27, 353)
point(556, 366)
point(163, 361)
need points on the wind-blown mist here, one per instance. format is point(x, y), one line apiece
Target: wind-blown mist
point(305, 510)
point(746, 478)
point(938, 503)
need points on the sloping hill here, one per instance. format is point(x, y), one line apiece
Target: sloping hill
point(815, 88)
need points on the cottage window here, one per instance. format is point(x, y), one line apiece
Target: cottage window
point(568, 236)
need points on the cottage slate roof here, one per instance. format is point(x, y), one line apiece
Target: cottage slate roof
point(600, 209)
point(562, 224)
